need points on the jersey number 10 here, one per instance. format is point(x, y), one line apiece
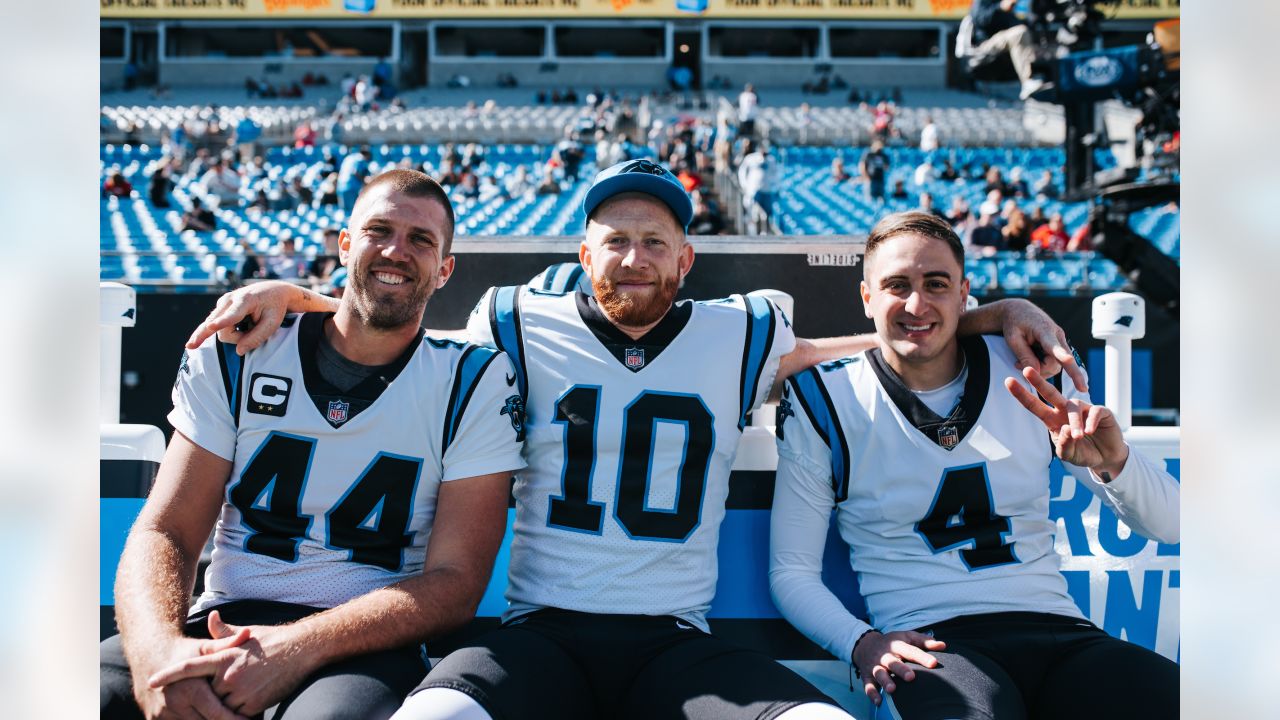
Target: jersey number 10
point(578, 411)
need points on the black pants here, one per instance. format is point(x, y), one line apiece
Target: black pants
point(579, 666)
point(367, 686)
point(1034, 665)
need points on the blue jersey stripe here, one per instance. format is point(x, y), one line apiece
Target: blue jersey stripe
point(504, 322)
point(817, 404)
point(760, 328)
point(471, 367)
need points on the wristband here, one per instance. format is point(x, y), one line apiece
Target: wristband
point(852, 662)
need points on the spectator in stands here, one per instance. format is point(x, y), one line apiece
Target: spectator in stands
point(1037, 217)
point(117, 185)
point(245, 137)
point(296, 193)
point(991, 206)
point(1007, 209)
point(261, 201)
point(985, 237)
point(1015, 232)
point(995, 181)
point(1016, 186)
point(960, 217)
point(352, 175)
point(467, 189)
point(451, 152)
point(326, 261)
point(690, 179)
point(755, 178)
point(161, 182)
point(222, 182)
point(707, 218)
point(926, 206)
point(198, 164)
point(997, 30)
point(838, 172)
point(364, 94)
point(929, 136)
point(571, 153)
point(334, 129)
point(199, 218)
point(328, 163)
point(948, 172)
point(472, 156)
point(899, 191)
point(874, 169)
point(304, 135)
point(518, 183)
point(1051, 237)
point(289, 264)
point(924, 173)
point(490, 189)
point(748, 105)
point(450, 175)
point(1045, 187)
point(548, 186)
point(348, 85)
point(327, 194)
point(882, 127)
point(251, 266)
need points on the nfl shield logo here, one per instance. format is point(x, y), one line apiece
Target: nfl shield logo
point(634, 358)
point(338, 412)
point(949, 436)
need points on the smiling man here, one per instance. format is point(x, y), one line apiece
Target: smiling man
point(358, 474)
point(933, 452)
point(635, 406)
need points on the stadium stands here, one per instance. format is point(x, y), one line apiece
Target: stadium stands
point(146, 245)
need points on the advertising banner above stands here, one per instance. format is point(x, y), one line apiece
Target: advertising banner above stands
point(576, 9)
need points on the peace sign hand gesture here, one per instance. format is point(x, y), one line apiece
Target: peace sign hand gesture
point(1083, 434)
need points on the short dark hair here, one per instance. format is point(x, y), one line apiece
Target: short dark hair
point(416, 184)
point(915, 222)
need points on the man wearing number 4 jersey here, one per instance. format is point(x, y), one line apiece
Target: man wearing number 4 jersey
point(358, 472)
point(939, 477)
point(635, 406)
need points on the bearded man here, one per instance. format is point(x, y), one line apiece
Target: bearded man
point(635, 406)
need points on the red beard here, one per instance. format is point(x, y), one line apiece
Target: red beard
point(633, 311)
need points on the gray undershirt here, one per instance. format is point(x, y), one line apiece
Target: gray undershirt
point(340, 372)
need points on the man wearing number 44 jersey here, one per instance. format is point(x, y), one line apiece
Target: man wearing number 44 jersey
point(939, 477)
point(635, 405)
point(358, 472)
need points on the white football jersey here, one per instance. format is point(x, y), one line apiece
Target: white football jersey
point(332, 494)
point(944, 516)
point(629, 445)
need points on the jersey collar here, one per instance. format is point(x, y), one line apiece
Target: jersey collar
point(945, 432)
point(635, 355)
point(322, 393)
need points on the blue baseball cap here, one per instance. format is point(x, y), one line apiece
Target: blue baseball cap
point(643, 176)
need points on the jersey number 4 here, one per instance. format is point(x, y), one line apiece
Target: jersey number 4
point(573, 510)
point(371, 520)
point(963, 514)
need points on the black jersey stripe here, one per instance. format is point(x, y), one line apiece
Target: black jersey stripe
point(817, 404)
point(758, 341)
point(231, 365)
point(472, 366)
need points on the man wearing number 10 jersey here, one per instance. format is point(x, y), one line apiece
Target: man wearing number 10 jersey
point(635, 407)
point(358, 472)
point(935, 456)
